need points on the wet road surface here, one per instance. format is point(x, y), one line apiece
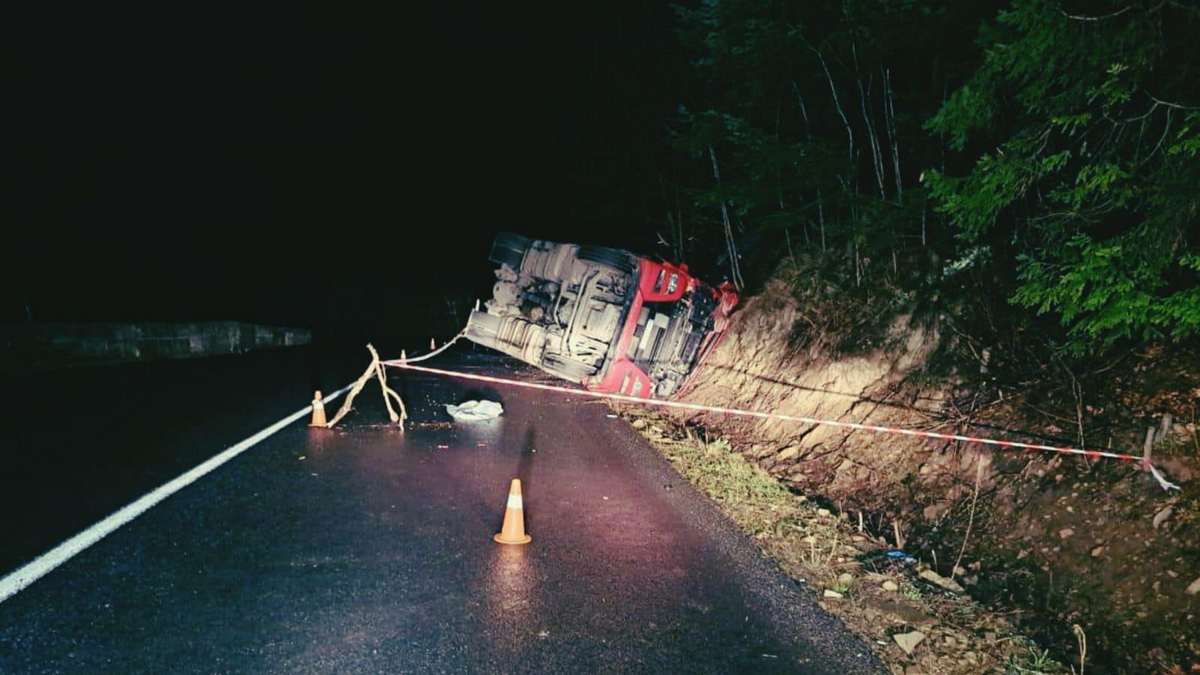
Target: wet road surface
point(365, 550)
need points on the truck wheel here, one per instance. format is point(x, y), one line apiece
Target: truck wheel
point(612, 257)
point(509, 249)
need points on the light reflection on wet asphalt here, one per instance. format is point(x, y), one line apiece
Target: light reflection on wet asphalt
point(374, 553)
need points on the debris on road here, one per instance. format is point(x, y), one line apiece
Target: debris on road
point(375, 369)
point(473, 411)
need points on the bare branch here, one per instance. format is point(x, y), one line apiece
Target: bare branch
point(971, 517)
point(837, 103)
point(374, 369)
point(821, 218)
point(889, 116)
point(1075, 17)
point(872, 139)
point(730, 245)
point(1166, 129)
point(803, 108)
point(1177, 106)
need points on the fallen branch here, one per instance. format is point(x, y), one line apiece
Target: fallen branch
point(971, 517)
point(1081, 638)
point(374, 369)
point(387, 391)
point(899, 536)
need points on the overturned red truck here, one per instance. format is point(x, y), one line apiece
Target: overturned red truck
point(606, 318)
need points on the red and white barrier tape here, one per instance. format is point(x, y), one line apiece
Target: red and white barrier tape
point(1162, 481)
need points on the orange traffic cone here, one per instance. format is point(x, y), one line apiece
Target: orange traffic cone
point(513, 531)
point(318, 406)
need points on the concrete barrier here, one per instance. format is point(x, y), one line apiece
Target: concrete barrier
point(25, 347)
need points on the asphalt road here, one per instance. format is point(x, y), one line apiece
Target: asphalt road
point(365, 550)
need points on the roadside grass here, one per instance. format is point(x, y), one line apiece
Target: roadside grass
point(731, 480)
point(1033, 662)
point(847, 571)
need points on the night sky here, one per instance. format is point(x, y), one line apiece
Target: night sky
point(346, 167)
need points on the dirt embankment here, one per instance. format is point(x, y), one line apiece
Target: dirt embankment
point(1055, 541)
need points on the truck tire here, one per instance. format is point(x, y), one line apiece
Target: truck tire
point(611, 257)
point(509, 249)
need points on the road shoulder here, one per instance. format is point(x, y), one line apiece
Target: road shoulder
point(912, 622)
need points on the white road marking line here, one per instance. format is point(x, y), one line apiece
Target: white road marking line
point(15, 582)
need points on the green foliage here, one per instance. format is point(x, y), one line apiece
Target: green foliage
point(966, 111)
point(817, 146)
point(1047, 158)
point(1026, 171)
point(1090, 184)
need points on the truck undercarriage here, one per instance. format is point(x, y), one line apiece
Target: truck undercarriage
point(605, 318)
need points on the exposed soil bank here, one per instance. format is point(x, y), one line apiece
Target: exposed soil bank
point(1055, 541)
point(915, 620)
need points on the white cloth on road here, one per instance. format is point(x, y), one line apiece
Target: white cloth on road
point(471, 411)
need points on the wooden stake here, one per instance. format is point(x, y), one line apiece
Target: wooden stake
point(1164, 429)
point(899, 537)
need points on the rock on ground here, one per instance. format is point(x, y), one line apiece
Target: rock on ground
point(909, 641)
